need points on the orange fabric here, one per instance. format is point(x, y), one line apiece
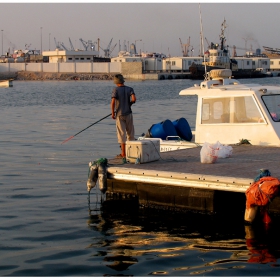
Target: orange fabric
point(260, 192)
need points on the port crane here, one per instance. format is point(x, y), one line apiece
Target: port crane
point(88, 44)
point(85, 44)
point(27, 46)
point(57, 44)
point(62, 45)
point(185, 47)
point(237, 48)
point(208, 44)
point(108, 51)
point(71, 45)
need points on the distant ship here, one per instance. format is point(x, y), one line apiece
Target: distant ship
point(271, 52)
point(219, 58)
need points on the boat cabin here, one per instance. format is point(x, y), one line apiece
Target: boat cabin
point(228, 111)
point(220, 59)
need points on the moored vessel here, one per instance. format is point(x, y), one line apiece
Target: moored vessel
point(218, 57)
point(6, 83)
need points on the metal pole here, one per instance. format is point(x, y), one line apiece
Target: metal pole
point(135, 45)
point(2, 42)
point(41, 41)
point(49, 41)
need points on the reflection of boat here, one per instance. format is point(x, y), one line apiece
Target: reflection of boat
point(218, 58)
point(6, 83)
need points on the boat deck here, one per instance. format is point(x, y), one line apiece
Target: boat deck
point(237, 171)
point(180, 181)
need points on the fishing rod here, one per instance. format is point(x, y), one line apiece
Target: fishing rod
point(85, 129)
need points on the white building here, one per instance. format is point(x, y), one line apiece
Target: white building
point(59, 56)
point(152, 63)
point(274, 64)
point(249, 63)
point(180, 64)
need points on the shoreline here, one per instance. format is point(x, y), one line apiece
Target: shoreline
point(43, 76)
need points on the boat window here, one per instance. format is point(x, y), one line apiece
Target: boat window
point(205, 111)
point(218, 110)
point(230, 110)
point(272, 103)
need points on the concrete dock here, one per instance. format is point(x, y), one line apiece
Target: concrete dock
point(180, 181)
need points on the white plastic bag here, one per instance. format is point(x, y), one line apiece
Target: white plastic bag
point(224, 151)
point(209, 153)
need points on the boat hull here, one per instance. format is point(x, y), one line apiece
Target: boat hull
point(198, 72)
point(6, 83)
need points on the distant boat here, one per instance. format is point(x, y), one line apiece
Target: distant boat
point(271, 52)
point(219, 58)
point(6, 83)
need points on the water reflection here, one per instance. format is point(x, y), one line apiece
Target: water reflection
point(262, 246)
point(179, 243)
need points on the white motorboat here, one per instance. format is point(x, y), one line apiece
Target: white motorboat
point(6, 83)
point(231, 113)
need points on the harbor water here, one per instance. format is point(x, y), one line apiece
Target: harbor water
point(50, 224)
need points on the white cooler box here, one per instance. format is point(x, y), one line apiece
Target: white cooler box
point(143, 150)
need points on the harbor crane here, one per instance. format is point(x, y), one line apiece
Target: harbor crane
point(85, 44)
point(27, 46)
point(135, 44)
point(71, 45)
point(88, 44)
point(185, 47)
point(56, 44)
point(62, 45)
point(237, 48)
point(207, 42)
point(108, 51)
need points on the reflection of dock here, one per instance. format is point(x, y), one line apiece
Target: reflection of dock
point(180, 181)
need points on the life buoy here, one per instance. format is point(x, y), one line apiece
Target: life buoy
point(220, 73)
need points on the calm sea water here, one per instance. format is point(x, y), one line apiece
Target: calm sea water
point(50, 226)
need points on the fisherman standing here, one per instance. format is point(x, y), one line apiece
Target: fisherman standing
point(122, 99)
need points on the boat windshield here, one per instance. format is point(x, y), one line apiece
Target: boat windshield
point(235, 109)
point(272, 103)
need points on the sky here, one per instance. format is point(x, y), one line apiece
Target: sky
point(153, 27)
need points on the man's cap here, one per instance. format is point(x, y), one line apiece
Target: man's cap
point(118, 79)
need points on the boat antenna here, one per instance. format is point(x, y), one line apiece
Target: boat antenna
point(201, 31)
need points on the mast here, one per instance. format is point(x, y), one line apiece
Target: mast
point(222, 36)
